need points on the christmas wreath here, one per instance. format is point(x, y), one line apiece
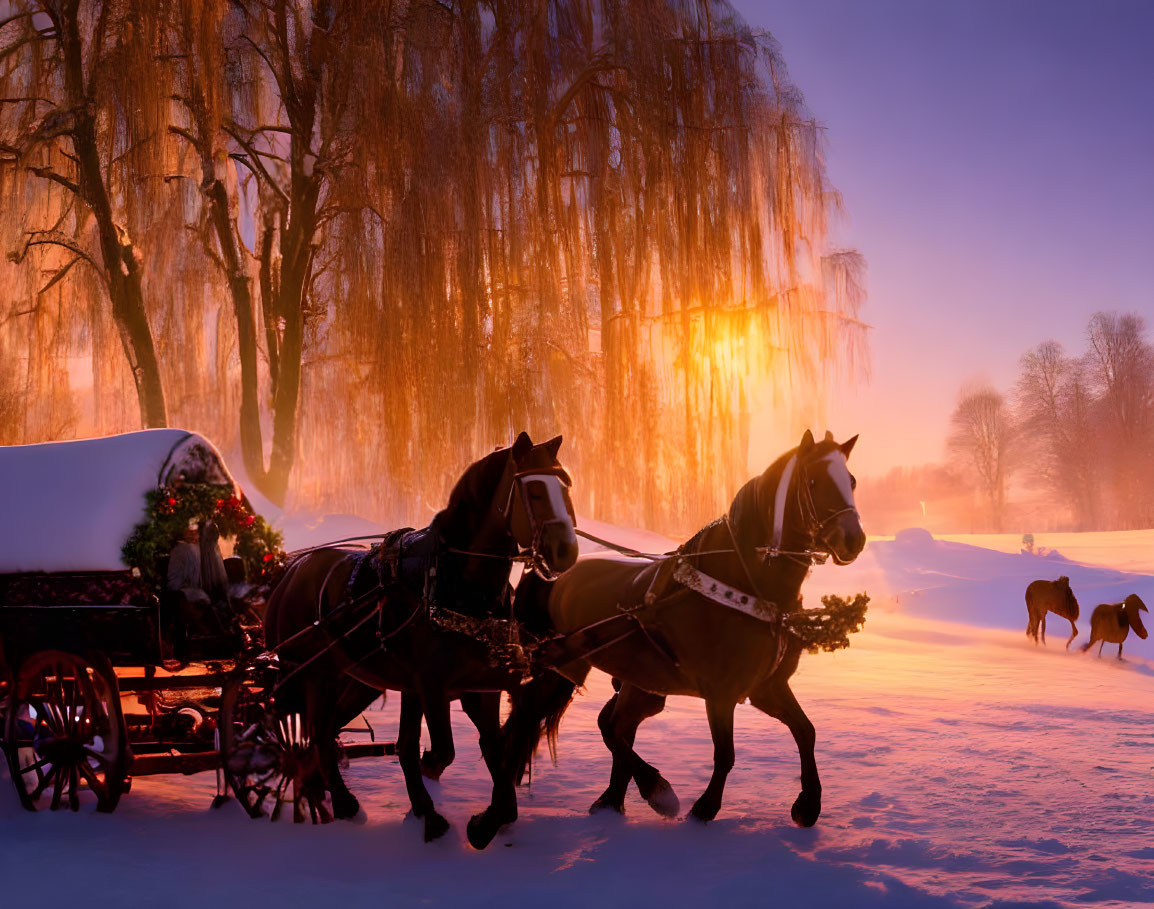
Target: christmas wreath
point(829, 628)
point(169, 511)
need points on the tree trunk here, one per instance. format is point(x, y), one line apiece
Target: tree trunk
point(296, 265)
point(117, 251)
point(251, 438)
point(294, 279)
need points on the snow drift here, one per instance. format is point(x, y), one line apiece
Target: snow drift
point(962, 766)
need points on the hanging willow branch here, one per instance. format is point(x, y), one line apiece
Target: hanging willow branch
point(602, 218)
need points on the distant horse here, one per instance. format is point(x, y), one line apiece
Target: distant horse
point(420, 641)
point(1050, 596)
point(712, 621)
point(1111, 622)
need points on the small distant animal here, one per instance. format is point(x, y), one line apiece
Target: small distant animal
point(1111, 622)
point(1050, 596)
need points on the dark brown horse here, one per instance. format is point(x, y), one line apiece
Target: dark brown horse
point(1050, 596)
point(712, 621)
point(423, 637)
point(1110, 623)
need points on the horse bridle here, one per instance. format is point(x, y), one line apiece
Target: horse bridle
point(815, 526)
point(519, 491)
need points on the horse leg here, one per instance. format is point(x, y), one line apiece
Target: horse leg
point(618, 722)
point(1119, 651)
point(315, 726)
point(778, 702)
point(353, 700)
point(1043, 628)
point(485, 712)
point(720, 714)
point(441, 752)
point(614, 796)
point(1073, 634)
point(409, 754)
point(654, 788)
point(344, 803)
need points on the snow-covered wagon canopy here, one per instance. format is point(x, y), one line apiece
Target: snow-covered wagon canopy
point(70, 506)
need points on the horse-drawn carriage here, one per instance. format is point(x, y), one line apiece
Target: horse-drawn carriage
point(105, 672)
point(111, 669)
point(91, 620)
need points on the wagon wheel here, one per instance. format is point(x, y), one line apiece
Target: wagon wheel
point(65, 732)
point(6, 685)
point(266, 752)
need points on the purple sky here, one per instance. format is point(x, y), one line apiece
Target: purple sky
point(997, 163)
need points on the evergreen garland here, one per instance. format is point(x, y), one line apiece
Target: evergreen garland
point(171, 508)
point(829, 628)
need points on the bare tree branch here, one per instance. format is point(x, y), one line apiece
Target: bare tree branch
point(254, 163)
point(55, 238)
point(58, 276)
point(47, 173)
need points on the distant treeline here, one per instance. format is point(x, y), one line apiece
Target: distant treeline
point(1073, 440)
point(361, 243)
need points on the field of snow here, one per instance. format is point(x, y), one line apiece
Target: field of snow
point(962, 766)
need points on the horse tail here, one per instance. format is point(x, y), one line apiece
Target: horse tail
point(537, 712)
point(551, 724)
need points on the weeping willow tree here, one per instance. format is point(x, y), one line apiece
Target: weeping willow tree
point(77, 112)
point(381, 238)
point(606, 218)
point(268, 101)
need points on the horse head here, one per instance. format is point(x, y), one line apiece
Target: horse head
point(514, 500)
point(539, 510)
point(1131, 606)
point(825, 497)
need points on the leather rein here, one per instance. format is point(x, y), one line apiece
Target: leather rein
point(530, 555)
point(750, 603)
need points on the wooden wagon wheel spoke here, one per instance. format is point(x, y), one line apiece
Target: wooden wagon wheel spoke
point(278, 803)
point(72, 711)
point(96, 755)
point(74, 787)
point(57, 788)
point(96, 784)
point(45, 781)
point(43, 713)
point(43, 762)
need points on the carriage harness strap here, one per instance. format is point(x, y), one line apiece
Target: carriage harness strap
point(408, 559)
point(697, 581)
point(720, 592)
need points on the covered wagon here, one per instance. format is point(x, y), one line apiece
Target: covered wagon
point(107, 668)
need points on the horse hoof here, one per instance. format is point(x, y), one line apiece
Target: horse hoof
point(345, 807)
point(435, 826)
point(604, 804)
point(663, 799)
point(483, 827)
point(703, 813)
point(806, 810)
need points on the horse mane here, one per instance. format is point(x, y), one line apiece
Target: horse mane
point(750, 512)
point(461, 519)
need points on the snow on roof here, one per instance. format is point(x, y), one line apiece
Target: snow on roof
point(70, 506)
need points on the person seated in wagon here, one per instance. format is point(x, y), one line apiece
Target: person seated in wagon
point(196, 566)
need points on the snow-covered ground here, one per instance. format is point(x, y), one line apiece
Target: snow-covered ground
point(962, 765)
